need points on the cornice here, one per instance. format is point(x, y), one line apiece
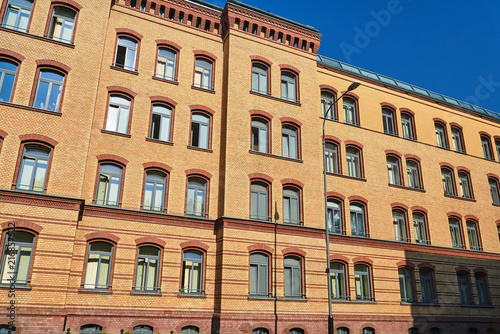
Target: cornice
point(39, 199)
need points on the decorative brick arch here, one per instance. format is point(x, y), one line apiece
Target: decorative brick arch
point(261, 247)
point(340, 258)
point(480, 270)
point(194, 244)
point(291, 120)
point(292, 182)
point(24, 224)
point(462, 269)
point(356, 198)
point(439, 120)
point(102, 235)
point(164, 42)
point(445, 164)
point(353, 143)
point(493, 176)
point(462, 168)
point(260, 176)
point(454, 215)
point(199, 107)
point(157, 165)
point(362, 259)
point(398, 205)
point(406, 110)
point(393, 152)
point(262, 60)
point(164, 100)
point(328, 88)
point(289, 68)
point(471, 217)
point(418, 208)
point(350, 94)
point(112, 157)
point(54, 64)
point(412, 156)
point(196, 171)
point(38, 138)
point(293, 250)
point(75, 5)
point(206, 54)
point(18, 58)
point(256, 112)
point(333, 194)
point(332, 138)
point(142, 322)
point(426, 265)
point(122, 90)
point(388, 105)
point(456, 125)
point(3, 134)
point(406, 264)
point(150, 240)
point(127, 31)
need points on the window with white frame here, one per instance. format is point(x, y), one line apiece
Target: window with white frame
point(334, 217)
point(161, 122)
point(203, 73)
point(399, 223)
point(327, 100)
point(192, 272)
point(448, 184)
point(388, 121)
point(62, 24)
point(293, 277)
point(259, 78)
point(393, 170)
point(331, 158)
point(33, 169)
point(288, 86)
point(456, 135)
point(259, 201)
point(109, 183)
point(260, 135)
point(362, 281)
point(118, 114)
point(407, 124)
point(49, 90)
point(441, 135)
point(495, 196)
point(16, 257)
point(291, 206)
point(473, 235)
point(196, 196)
point(290, 142)
point(338, 280)
point(358, 226)
point(8, 72)
point(350, 113)
point(353, 162)
point(200, 130)
point(413, 171)
point(126, 53)
point(455, 232)
point(259, 274)
point(166, 63)
point(17, 15)
point(148, 264)
point(485, 143)
point(154, 191)
point(464, 184)
point(98, 267)
point(420, 227)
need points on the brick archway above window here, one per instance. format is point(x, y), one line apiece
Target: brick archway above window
point(392, 152)
point(493, 176)
point(426, 265)
point(112, 157)
point(262, 247)
point(418, 208)
point(260, 176)
point(462, 269)
point(158, 165)
point(350, 94)
point(165, 42)
point(388, 105)
point(462, 168)
point(291, 120)
point(195, 171)
point(328, 87)
point(123, 90)
point(130, 32)
point(483, 133)
point(163, 99)
point(293, 182)
point(75, 5)
point(195, 107)
point(339, 258)
point(480, 270)
point(23, 224)
point(38, 138)
point(353, 143)
point(205, 54)
point(335, 195)
point(406, 264)
point(255, 112)
point(194, 244)
point(11, 54)
point(3, 134)
point(332, 138)
point(454, 215)
point(445, 164)
point(261, 59)
point(143, 322)
point(406, 110)
point(362, 259)
point(356, 198)
point(440, 120)
point(289, 68)
point(471, 217)
point(456, 125)
point(102, 235)
point(397, 205)
point(53, 63)
point(412, 156)
point(293, 250)
point(150, 240)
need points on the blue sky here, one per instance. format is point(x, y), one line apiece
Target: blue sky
point(449, 46)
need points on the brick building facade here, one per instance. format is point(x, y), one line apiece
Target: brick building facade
point(161, 164)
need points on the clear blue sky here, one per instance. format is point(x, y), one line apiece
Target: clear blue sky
point(448, 46)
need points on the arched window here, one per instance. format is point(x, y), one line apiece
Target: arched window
point(6, 329)
point(166, 64)
point(98, 269)
point(90, 329)
point(192, 272)
point(362, 279)
point(389, 121)
point(358, 220)
point(190, 330)
point(464, 288)
point(118, 115)
point(161, 122)
point(260, 78)
point(196, 197)
point(338, 278)
point(350, 111)
point(494, 190)
point(486, 144)
point(435, 330)
point(472, 330)
point(464, 184)
point(17, 15)
point(406, 284)
point(296, 331)
point(473, 234)
point(260, 135)
point(259, 274)
point(456, 233)
point(288, 86)
point(49, 90)
point(420, 226)
point(8, 72)
point(62, 24)
point(482, 289)
point(260, 331)
point(290, 141)
point(148, 264)
point(203, 69)
point(441, 135)
point(200, 130)
point(32, 174)
point(259, 201)
point(126, 52)
point(335, 219)
point(368, 330)
point(408, 126)
point(353, 157)
point(399, 223)
point(458, 139)
point(394, 170)
point(332, 158)
point(16, 257)
point(497, 145)
point(109, 185)
point(413, 171)
point(143, 329)
point(413, 330)
point(293, 277)
point(427, 285)
point(291, 205)
point(327, 106)
point(342, 330)
point(448, 181)
point(155, 187)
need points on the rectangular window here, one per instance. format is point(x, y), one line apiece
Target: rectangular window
point(338, 280)
point(353, 162)
point(259, 78)
point(485, 143)
point(358, 220)
point(464, 185)
point(192, 270)
point(196, 196)
point(17, 15)
point(331, 158)
point(405, 285)
point(200, 127)
point(293, 277)
point(497, 144)
point(108, 188)
point(447, 178)
point(259, 201)
point(427, 286)
point(463, 288)
point(165, 66)
point(362, 281)
point(482, 291)
point(148, 261)
point(413, 174)
point(420, 228)
point(399, 222)
point(98, 265)
point(154, 191)
point(350, 113)
point(291, 208)
point(334, 217)
point(393, 171)
point(33, 169)
point(456, 134)
point(495, 197)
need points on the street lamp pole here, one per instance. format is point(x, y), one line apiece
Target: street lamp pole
point(352, 86)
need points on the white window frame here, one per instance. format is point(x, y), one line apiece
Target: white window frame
point(260, 78)
point(393, 174)
point(290, 141)
point(260, 135)
point(118, 114)
point(66, 22)
point(197, 190)
point(291, 206)
point(353, 157)
point(350, 113)
point(203, 73)
point(130, 50)
point(161, 122)
point(407, 126)
point(388, 121)
point(167, 59)
point(4, 74)
point(23, 12)
point(46, 102)
point(358, 222)
point(288, 86)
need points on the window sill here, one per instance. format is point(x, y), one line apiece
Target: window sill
point(211, 91)
point(292, 299)
point(393, 134)
point(409, 303)
point(353, 124)
point(296, 103)
point(174, 82)
point(407, 188)
point(15, 287)
point(260, 298)
point(497, 205)
point(144, 293)
point(336, 119)
point(159, 141)
point(199, 149)
point(114, 67)
point(444, 148)
point(275, 156)
point(477, 306)
point(126, 135)
point(347, 176)
point(9, 104)
point(68, 45)
point(421, 304)
point(461, 198)
point(190, 295)
point(95, 291)
point(363, 301)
